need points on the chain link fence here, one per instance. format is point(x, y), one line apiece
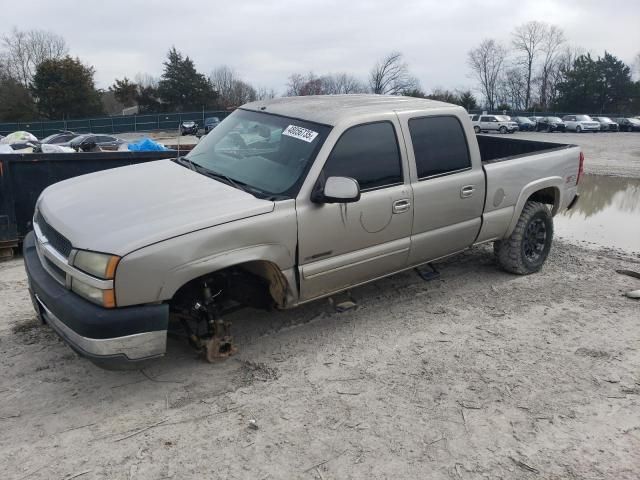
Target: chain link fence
point(115, 124)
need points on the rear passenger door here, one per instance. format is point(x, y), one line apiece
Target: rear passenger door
point(488, 123)
point(448, 190)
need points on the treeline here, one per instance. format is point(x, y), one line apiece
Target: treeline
point(539, 70)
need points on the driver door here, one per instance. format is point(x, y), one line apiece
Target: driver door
point(346, 244)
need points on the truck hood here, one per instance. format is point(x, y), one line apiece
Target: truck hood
point(123, 209)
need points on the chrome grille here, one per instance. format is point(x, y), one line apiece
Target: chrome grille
point(55, 239)
point(54, 270)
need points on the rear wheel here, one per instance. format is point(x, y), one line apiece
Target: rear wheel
point(528, 246)
point(476, 129)
point(578, 129)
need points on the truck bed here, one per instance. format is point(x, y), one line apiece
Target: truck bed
point(500, 148)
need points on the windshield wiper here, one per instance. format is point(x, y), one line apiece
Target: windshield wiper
point(219, 176)
point(185, 162)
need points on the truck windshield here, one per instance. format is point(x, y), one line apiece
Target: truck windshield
point(267, 153)
point(583, 118)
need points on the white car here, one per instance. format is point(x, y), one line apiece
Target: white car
point(498, 123)
point(581, 123)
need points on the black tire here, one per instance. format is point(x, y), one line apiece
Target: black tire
point(527, 248)
point(578, 129)
point(476, 129)
point(503, 129)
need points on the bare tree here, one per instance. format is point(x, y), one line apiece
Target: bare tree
point(563, 64)
point(302, 85)
point(264, 93)
point(342, 83)
point(528, 40)
point(551, 48)
point(390, 76)
point(231, 89)
point(23, 51)
point(511, 88)
point(636, 64)
point(486, 64)
point(144, 80)
point(295, 84)
point(330, 84)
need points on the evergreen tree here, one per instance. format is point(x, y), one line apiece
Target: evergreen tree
point(467, 100)
point(597, 86)
point(181, 87)
point(125, 91)
point(64, 88)
point(16, 103)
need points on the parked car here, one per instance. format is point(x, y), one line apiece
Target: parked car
point(550, 124)
point(524, 124)
point(580, 123)
point(58, 138)
point(210, 123)
point(606, 124)
point(188, 128)
point(495, 123)
point(535, 120)
point(89, 141)
point(628, 124)
point(108, 277)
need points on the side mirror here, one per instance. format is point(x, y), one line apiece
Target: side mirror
point(338, 190)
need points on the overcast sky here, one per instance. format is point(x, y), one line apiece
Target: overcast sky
point(266, 41)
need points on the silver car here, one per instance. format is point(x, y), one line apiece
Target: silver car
point(580, 123)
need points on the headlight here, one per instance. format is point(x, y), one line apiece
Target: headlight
point(99, 265)
point(104, 298)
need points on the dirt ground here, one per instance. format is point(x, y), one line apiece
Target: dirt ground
point(479, 374)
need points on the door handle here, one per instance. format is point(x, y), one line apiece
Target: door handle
point(467, 191)
point(401, 206)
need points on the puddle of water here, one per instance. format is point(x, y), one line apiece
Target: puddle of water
point(607, 213)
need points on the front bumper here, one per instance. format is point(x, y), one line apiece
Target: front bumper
point(111, 338)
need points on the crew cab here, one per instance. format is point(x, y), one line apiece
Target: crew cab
point(497, 123)
point(580, 123)
point(287, 201)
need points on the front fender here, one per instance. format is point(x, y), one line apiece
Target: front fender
point(154, 273)
point(276, 254)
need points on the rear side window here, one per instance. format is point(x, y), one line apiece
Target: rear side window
point(439, 145)
point(369, 153)
point(475, 118)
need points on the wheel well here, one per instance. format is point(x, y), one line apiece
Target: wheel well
point(549, 196)
point(257, 283)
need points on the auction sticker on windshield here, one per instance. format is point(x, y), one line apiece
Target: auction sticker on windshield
point(300, 133)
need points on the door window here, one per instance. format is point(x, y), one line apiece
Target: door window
point(439, 145)
point(369, 153)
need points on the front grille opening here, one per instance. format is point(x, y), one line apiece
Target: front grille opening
point(56, 271)
point(56, 239)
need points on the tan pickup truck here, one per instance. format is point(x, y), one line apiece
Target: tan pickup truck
point(287, 201)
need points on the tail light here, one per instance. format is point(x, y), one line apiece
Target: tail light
point(580, 168)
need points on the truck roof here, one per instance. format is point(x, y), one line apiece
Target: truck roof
point(331, 109)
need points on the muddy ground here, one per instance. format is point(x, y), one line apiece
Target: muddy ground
point(480, 374)
point(477, 375)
